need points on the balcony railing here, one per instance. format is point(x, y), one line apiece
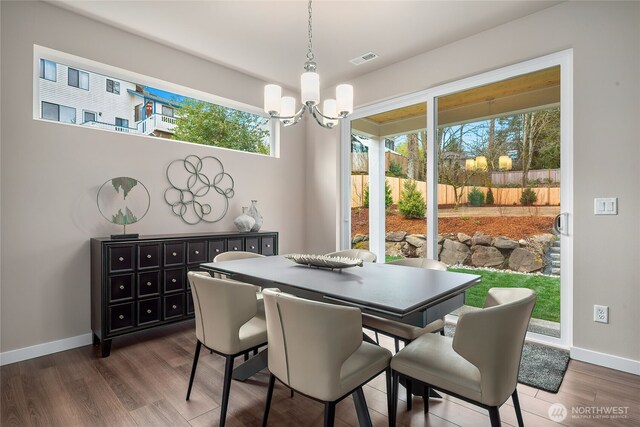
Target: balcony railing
point(109, 126)
point(156, 122)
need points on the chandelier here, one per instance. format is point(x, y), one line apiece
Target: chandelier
point(284, 107)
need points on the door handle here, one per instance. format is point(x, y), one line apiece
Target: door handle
point(560, 223)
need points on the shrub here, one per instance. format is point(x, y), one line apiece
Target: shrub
point(388, 199)
point(395, 169)
point(489, 199)
point(476, 197)
point(411, 204)
point(528, 197)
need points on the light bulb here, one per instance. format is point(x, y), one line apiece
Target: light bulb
point(272, 95)
point(329, 109)
point(310, 84)
point(344, 99)
point(288, 106)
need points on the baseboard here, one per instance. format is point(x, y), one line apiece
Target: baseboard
point(43, 349)
point(607, 360)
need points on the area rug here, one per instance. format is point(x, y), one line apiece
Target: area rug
point(540, 367)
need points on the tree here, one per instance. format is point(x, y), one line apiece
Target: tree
point(209, 124)
point(388, 198)
point(413, 156)
point(411, 204)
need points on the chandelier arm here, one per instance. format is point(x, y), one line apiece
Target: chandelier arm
point(315, 112)
point(290, 120)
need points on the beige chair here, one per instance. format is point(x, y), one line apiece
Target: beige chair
point(480, 364)
point(317, 349)
point(227, 322)
point(363, 254)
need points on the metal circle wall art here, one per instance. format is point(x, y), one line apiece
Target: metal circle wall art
point(200, 189)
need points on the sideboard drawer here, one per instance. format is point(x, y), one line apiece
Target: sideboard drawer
point(148, 311)
point(216, 247)
point(149, 256)
point(121, 258)
point(173, 306)
point(235, 245)
point(252, 244)
point(173, 253)
point(121, 287)
point(268, 246)
point(174, 280)
point(148, 284)
point(120, 317)
point(196, 252)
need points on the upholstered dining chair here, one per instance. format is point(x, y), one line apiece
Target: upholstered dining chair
point(227, 322)
point(480, 364)
point(363, 254)
point(317, 349)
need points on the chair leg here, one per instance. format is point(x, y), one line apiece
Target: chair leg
point(359, 401)
point(442, 331)
point(516, 406)
point(193, 368)
point(226, 388)
point(426, 393)
point(246, 356)
point(387, 375)
point(409, 385)
point(397, 343)
point(377, 337)
point(494, 416)
point(265, 417)
point(329, 413)
point(291, 393)
point(395, 380)
point(255, 351)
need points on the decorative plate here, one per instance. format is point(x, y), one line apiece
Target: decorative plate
point(324, 261)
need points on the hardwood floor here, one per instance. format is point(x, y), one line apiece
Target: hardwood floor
point(144, 383)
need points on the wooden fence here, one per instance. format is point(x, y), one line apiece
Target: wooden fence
point(515, 177)
point(501, 196)
point(360, 162)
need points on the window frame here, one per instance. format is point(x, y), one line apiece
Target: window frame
point(119, 74)
point(168, 107)
point(79, 80)
point(114, 83)
point(43, 70)
point(59, 109)
point(115, 122)
point(95, 115)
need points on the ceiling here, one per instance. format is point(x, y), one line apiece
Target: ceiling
point(268, 39)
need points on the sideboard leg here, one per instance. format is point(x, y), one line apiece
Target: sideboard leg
point(106, 348)
point(96, 340)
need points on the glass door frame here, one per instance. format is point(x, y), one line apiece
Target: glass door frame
point(564, 59)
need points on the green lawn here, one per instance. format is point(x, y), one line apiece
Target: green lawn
point(548, 289)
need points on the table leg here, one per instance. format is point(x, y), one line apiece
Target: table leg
point(251, 366)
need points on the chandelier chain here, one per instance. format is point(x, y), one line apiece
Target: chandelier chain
point(310, 45)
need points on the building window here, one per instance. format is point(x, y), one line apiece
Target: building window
point(47, 70)
point(113, 86)
point(122, 123)
point(79, 79)
point(58, 113)
point(89, 116)
point(167, 111)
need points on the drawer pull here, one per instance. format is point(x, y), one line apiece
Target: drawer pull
point(235, 248)
point(149, 283)
point(174, 254)
point(253, 247)
point(148, 256)
point(217, 250)
point(122, 287)
point(174, 306)
point(121, 317)
point(173, 280)
point(121, 259)
point(149, 311)
point(197, 252)
point(268, 246)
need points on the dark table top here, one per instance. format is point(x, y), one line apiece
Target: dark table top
point(393, 289)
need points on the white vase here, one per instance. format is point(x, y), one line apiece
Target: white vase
point(244, 222)
point(253, 212)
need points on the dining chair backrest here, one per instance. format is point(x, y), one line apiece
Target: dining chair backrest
point(430, 264)
point(233, 255)
point(492, 340)
point(221, 308)
point(309, 341)
point(363, 254)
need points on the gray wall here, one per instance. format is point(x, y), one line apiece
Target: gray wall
point(605, 37)
point(50, 172)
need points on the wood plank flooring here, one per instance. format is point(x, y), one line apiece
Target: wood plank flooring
point(144, 383)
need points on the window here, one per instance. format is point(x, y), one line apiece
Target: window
point(79, 79)
point(122, 123)
point(58, 113)
point(47, 70)
point(167, 111)
point(89, 116)
point(113, 86)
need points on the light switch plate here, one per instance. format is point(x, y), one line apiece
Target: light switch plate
point(606, 206)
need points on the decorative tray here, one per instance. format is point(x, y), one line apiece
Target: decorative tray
point(324, 261)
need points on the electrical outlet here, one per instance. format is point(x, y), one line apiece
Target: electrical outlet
point(601, 313)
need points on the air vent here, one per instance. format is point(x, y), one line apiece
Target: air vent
point(369, 56)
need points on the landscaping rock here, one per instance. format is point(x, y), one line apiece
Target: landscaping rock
point(542, 242)
point(502, 242)
point(481, 239)
point(358, 238)
point(417, 240)
point(421, 252)
point(464, 238)
point(523, 242)
point(454, 252)
point(394, 249)
point(525, 261)
point(440, 238)
point(409, 251)
point(486, 256)
point(395, 236)
point(361, 245)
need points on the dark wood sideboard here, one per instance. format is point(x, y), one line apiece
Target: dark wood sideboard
point(142, 283)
